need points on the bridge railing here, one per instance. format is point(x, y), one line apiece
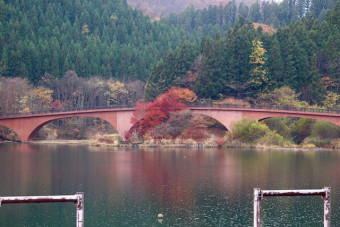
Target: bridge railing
point(237, 106)
point(232, 106)
point(12, 114)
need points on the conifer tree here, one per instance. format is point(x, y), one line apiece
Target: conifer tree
point(275, 64)
point(210, 81)
point(313, 92)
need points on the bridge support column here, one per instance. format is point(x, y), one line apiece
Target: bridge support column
point(123, 123)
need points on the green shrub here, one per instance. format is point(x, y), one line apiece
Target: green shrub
point(302, 129)
point(280, 125)
point(237, 128)
point(308, 146)
point(253, 132)
point(325, 130)
point(248, 131)
point(317, 141)
point(273, 138)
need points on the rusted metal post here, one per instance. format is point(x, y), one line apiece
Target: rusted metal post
point(327, 207)
point(257, 200)
point(77, 199)
point(80, 209)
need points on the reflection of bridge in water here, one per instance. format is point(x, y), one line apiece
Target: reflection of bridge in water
point(26, 126)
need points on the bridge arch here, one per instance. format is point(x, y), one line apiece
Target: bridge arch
point(314, 117)
point(225, 117)
point(228, 116)
point(39, 127)
point(212, 117)
point(27, 126)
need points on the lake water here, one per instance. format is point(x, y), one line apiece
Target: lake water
point(129, 187)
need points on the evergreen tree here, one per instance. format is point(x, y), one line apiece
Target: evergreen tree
point(275, 64)
point(243, 10)
point(255, 13)
point(169, 71)
point(211, 82)
point(313, 92)
point(236, 64)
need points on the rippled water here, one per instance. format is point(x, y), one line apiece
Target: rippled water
point(125, 187)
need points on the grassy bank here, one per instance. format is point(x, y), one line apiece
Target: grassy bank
point(190, 144)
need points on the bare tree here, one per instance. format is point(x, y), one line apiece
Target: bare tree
point(12, 90)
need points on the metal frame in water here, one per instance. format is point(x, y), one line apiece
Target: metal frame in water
point(77, 199)
point(325, 193)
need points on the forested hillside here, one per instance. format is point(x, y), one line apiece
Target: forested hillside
point(162, 8)
point(110, 39)
point(221, 18)
point(304, 56)
point(100, 37)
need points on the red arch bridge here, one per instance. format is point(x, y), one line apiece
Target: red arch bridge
point(26, 126)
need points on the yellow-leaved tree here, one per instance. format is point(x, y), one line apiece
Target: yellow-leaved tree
point(331, 99)
point(117, 92)
point(37, 100)
point(258, 74)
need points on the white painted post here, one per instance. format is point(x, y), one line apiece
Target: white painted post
point(257, 200)
point(327, 207)
point(80, 209)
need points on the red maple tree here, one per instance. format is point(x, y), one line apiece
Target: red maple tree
point(149, 115)
point(57, 105)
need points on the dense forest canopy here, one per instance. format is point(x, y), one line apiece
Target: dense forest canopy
point(280, 12)
point(106, 38)
point(162, 8)
point(110, 39)
point(221, 18)
point(304, 56)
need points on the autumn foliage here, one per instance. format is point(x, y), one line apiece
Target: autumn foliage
point(149, 115)
point(269, 29)
point(328, 83)
point(56, 105)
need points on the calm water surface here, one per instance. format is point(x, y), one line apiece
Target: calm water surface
point(126, 187)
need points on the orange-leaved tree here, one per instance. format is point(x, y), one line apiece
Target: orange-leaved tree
point(149, 115)
point(56, 105)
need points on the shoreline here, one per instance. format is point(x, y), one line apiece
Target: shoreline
point(188, 146)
